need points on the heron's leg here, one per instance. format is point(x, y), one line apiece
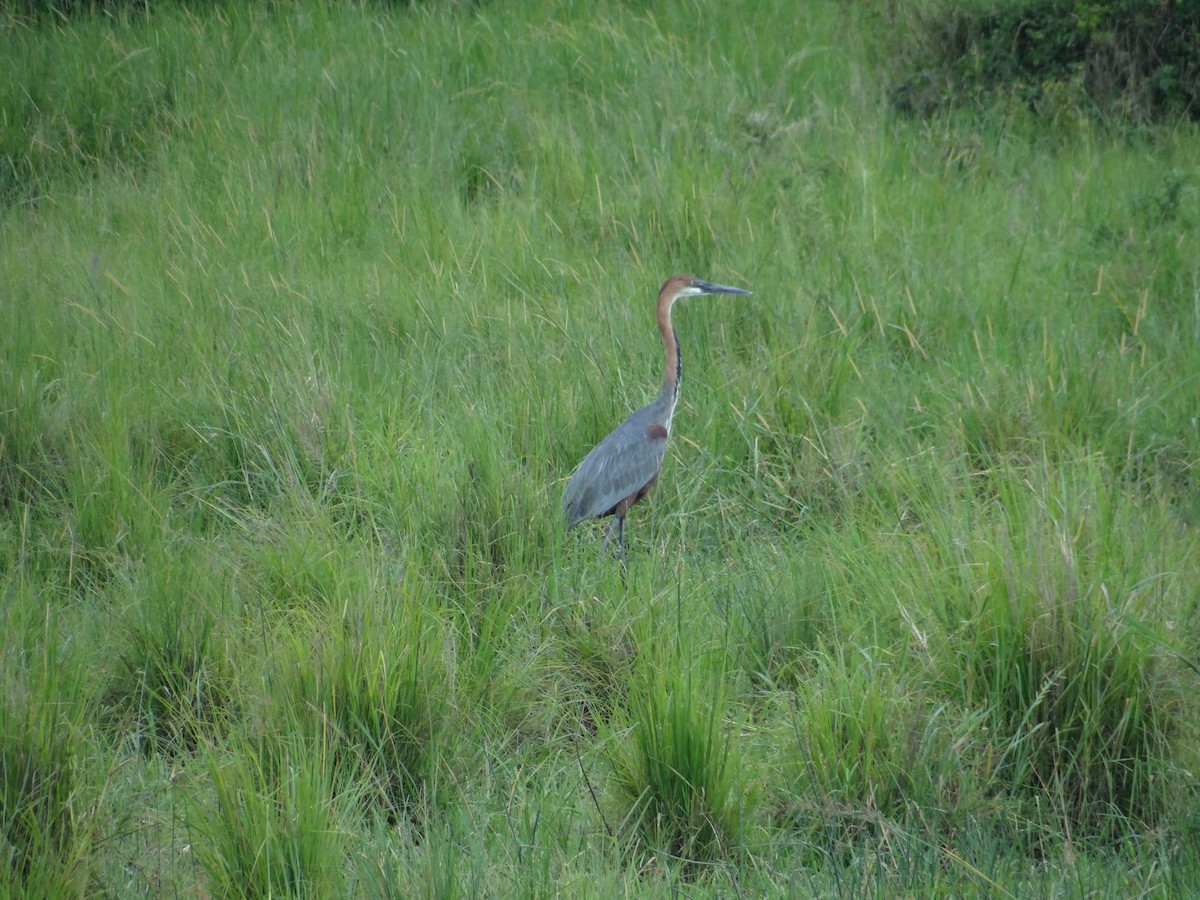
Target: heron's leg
point(609, 531)
point(617, 528)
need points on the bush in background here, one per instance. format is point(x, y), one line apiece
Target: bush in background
point(1132, 60)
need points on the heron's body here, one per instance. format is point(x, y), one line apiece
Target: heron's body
point(623, 467)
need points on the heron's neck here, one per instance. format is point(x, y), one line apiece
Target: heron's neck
point(674, 368)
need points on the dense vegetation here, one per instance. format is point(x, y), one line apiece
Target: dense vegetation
point(309, 309)
point(1124, 62)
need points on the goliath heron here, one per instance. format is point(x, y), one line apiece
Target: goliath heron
point(623, 467)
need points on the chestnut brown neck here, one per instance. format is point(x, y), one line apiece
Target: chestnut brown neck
point(673, 372)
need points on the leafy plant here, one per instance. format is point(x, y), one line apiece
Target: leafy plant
point(1137, 60)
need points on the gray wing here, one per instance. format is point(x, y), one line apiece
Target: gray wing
point(621, 464)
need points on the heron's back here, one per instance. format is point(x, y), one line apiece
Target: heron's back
point(620, 466)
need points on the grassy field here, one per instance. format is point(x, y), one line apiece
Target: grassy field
point(308, 311)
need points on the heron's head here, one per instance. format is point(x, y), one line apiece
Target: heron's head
point(678, 286)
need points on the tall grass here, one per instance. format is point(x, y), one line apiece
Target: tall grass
point(308, 311)
point(170, 688)
point(47, 811)
point(1062, 652)
point(869, 755)
point(686, 795)
point(276, 829)
point(377, 700)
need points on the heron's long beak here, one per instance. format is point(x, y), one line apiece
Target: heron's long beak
point(709, 288)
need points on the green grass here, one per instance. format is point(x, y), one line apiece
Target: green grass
point(309, 311)
point(272, 826)
point(683, 785)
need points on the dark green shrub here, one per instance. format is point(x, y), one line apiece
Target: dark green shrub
point(1134, 60)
